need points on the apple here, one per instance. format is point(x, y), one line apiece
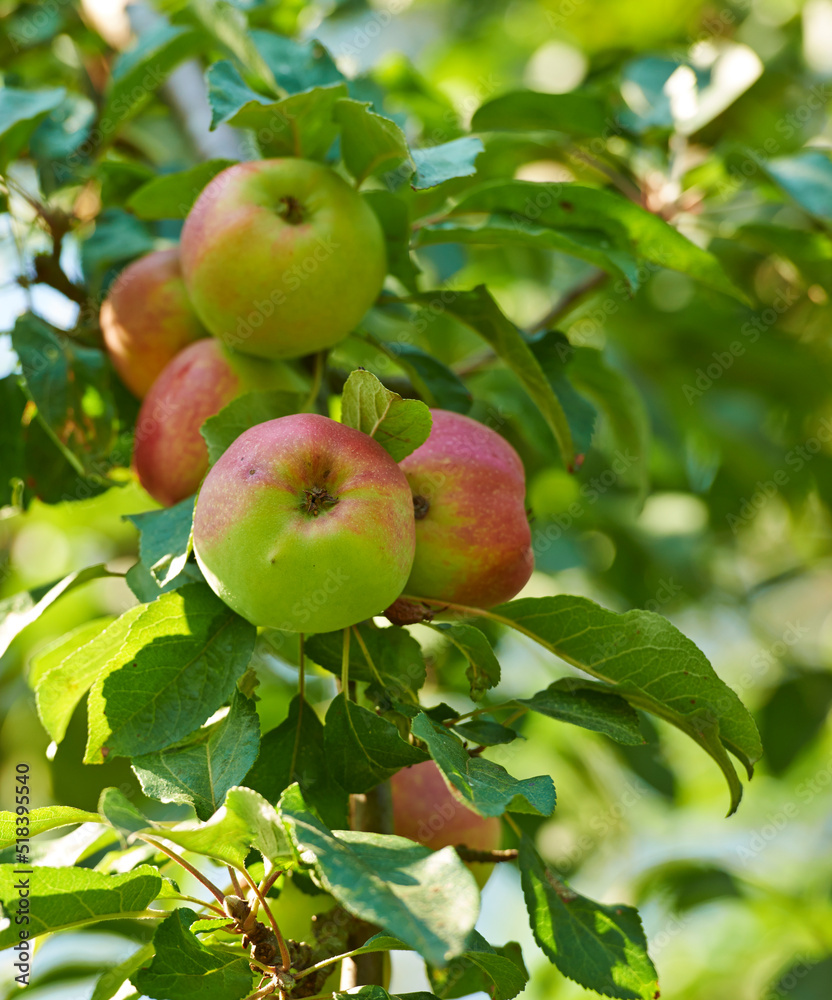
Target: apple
point(473, 542)
point(305, 525)
point(427, 811)
point(147, 318)
point(170, 455)
point(282, 257)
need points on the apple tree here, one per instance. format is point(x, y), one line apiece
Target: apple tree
point(314, 328)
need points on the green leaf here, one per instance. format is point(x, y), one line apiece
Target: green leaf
point(499, 972)
point(20, 610)
point(66, 897)
point(165, 539)
point(554, 354)
point(246, 820)
point(399, 425)
point(478, 310)
point(394, 215)
point(202, 769)
point(485, 732)
point(69, 384)
point(138, 73)
point(121, 814)
point(593, 224)
point(171, 196)
point(41, 821)
point(618, 399)
point(178, 664)
point(116, 239)
point(370, 143)
point(299, 125)
point(363, 748)
point(296, 65)
point(482, 785)
point(528, 111)
point(21, 111)
point(601, 947)
point(294, 751)
point(71, 668)
point(590, 705)
point(650, 664)
point(806, 178)
point(427, 900)
point(12, 405)
point(436, 164)
point(244, 412)
point(483, 666)
point(393, 658)
point(184, 967)
point(113, 979)
point(437, 384)
point(229, 25)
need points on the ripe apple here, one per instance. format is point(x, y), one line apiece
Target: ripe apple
point(170, 454)
point(147, 318)
point(473, 543)
point(305, 525)
point(282, 257)
point(426, 810)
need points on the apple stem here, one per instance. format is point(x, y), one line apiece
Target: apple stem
point(290, 210)
point(209, 885)
point(360, 639)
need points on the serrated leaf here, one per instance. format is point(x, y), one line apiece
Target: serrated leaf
point(529, 111)
point(478, 310)
point(244, 412)
point(296, 65)
point(427, 900)
point(399, 425)
point(370, 143)
point(592, 706)
point(41, 821)
point(483, 666)
point(178, 664)
point(246, 820)
point(436, 164)
point(228, 23)
point(20, 610)
point(500, 972)
point(165, 539)
point(184, 967)
point(201, 770)
point(171, 196)
point(601, 947)
point(294, 751)
point(363, 748)
point(648, 662)
point(299, 125)
point(396, 658)
point(65, 897)
point(482, 785)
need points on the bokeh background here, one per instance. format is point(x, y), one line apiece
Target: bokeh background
point(723, 126)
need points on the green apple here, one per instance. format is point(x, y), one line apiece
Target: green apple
point(427, 811)
point(170, 455)
point(147, 319)
point(282, 257)
point(305, 525)
point(473, 542)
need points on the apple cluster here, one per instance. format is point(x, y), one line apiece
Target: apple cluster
point(305, 524)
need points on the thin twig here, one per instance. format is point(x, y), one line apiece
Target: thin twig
point(568, 301)
point(345, 664)
point(281, 943)
point(209, 885)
